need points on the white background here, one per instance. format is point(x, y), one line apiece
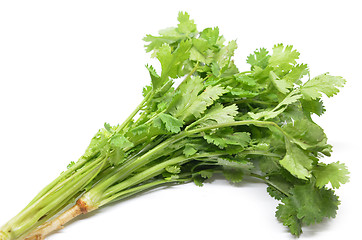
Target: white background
point(66, 67)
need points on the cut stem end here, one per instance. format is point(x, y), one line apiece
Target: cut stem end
point(41, 232)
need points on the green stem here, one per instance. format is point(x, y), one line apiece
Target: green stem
point(151, 172)
point(64, 175)
point(128, 167)
point(43, 206)
point(132, 191)
point(155, 116)
point(259, 152)
point(114, 191)
point(267, 181)
point(58, 190)
point(257, 123)
point(252, 101)
point(133, 114)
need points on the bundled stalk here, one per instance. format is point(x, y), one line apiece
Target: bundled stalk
point(218, 120)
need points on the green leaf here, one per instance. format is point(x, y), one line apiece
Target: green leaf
point(173, 169)
point(282, 85)
point(260, 58)
point(323, 83)
point(217, 114)
point(198, 104)
point(215, 69)
point(206, 173)
point(155, 42)
point(117, 156)
point(270, 114)
point(306, 134)
point(186, 25)
point(308, 205)
point(287, 214)
point(314, 204)
point(187, 93)
point(98, 142)
point(279, 185)
point(275, 193)
point(205, 99)
point(336, 173)
point(211, 35)
point(269, 164)
point(186, 28)
point(225, 137)
point(313, 106)
point(146, 89)
point(198, 180)
point(245, 80)
point(172, 177)
point(172, 62)
point(241, 92)
point(200, 176)
point(189, 150)
point(283, 58)
point(108, 127)
point(155, 78)
point(171, 123)
point(140, 130)
point(297, 72)
point(198, 50)
point(234, 163)
point(71, 164)
point(206, 47)
point(296, 161)
point(234, 169)
point(291, 98)
point(119, 141)
point(222, 58)
point(233, 175)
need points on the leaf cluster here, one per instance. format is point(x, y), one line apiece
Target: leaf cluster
point(220, 120)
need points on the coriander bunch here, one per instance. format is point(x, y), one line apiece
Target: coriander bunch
point(218, 120)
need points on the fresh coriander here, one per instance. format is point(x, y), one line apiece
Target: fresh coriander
point(218, 120)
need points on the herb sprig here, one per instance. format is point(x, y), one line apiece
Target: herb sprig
point(218, 120)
